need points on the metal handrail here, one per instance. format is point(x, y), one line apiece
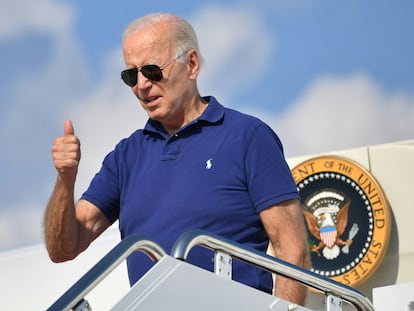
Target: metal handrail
point(106, 265)
point(190, 239)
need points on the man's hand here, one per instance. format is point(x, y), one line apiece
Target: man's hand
point(66, 153)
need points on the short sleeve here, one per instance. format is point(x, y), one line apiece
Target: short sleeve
point(269, 178)
point(103, 190)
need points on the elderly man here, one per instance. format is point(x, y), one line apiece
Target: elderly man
point(195, 165)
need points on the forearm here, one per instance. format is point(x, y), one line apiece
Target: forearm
point(285, 227)
point(289, 289)
point(60, 224)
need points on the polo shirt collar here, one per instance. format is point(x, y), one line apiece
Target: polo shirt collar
point(214, 111)
point(213, 114)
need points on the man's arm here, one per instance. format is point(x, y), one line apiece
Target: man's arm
point(69, 229)
point(285, 227)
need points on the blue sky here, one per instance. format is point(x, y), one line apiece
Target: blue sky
point(326, 75)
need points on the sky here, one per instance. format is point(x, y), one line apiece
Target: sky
point(325, 75)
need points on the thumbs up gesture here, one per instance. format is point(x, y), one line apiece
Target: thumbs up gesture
point(66, 153)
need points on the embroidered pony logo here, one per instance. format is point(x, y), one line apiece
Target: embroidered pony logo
point(209, 164)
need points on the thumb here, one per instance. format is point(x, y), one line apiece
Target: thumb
point(68, 128)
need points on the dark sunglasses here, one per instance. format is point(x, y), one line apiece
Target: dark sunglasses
point(151, 72)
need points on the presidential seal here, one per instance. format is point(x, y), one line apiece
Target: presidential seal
point(347, 218)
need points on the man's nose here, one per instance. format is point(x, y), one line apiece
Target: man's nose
point(142, 81)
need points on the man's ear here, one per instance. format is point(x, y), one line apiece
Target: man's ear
point(193, 64)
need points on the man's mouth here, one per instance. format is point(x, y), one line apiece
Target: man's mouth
point(149, 100)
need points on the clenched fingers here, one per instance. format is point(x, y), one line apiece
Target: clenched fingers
point(66, 153)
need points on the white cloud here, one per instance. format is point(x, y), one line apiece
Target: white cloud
point(236, 46)
point(20, 16)
point(20, 225)
point(34, 101)
point(336, 113)
point(38, 94)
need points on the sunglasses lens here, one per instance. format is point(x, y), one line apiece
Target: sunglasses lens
point(130, 76)
point(152, 72)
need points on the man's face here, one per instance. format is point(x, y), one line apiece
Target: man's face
point(164, 100)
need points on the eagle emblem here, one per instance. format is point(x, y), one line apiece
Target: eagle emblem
point(326, 215)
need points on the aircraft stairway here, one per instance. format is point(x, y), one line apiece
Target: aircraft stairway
point(174, 284)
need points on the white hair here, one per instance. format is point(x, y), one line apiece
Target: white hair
point(183, 36)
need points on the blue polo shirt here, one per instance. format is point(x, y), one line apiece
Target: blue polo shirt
point(216, 173)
